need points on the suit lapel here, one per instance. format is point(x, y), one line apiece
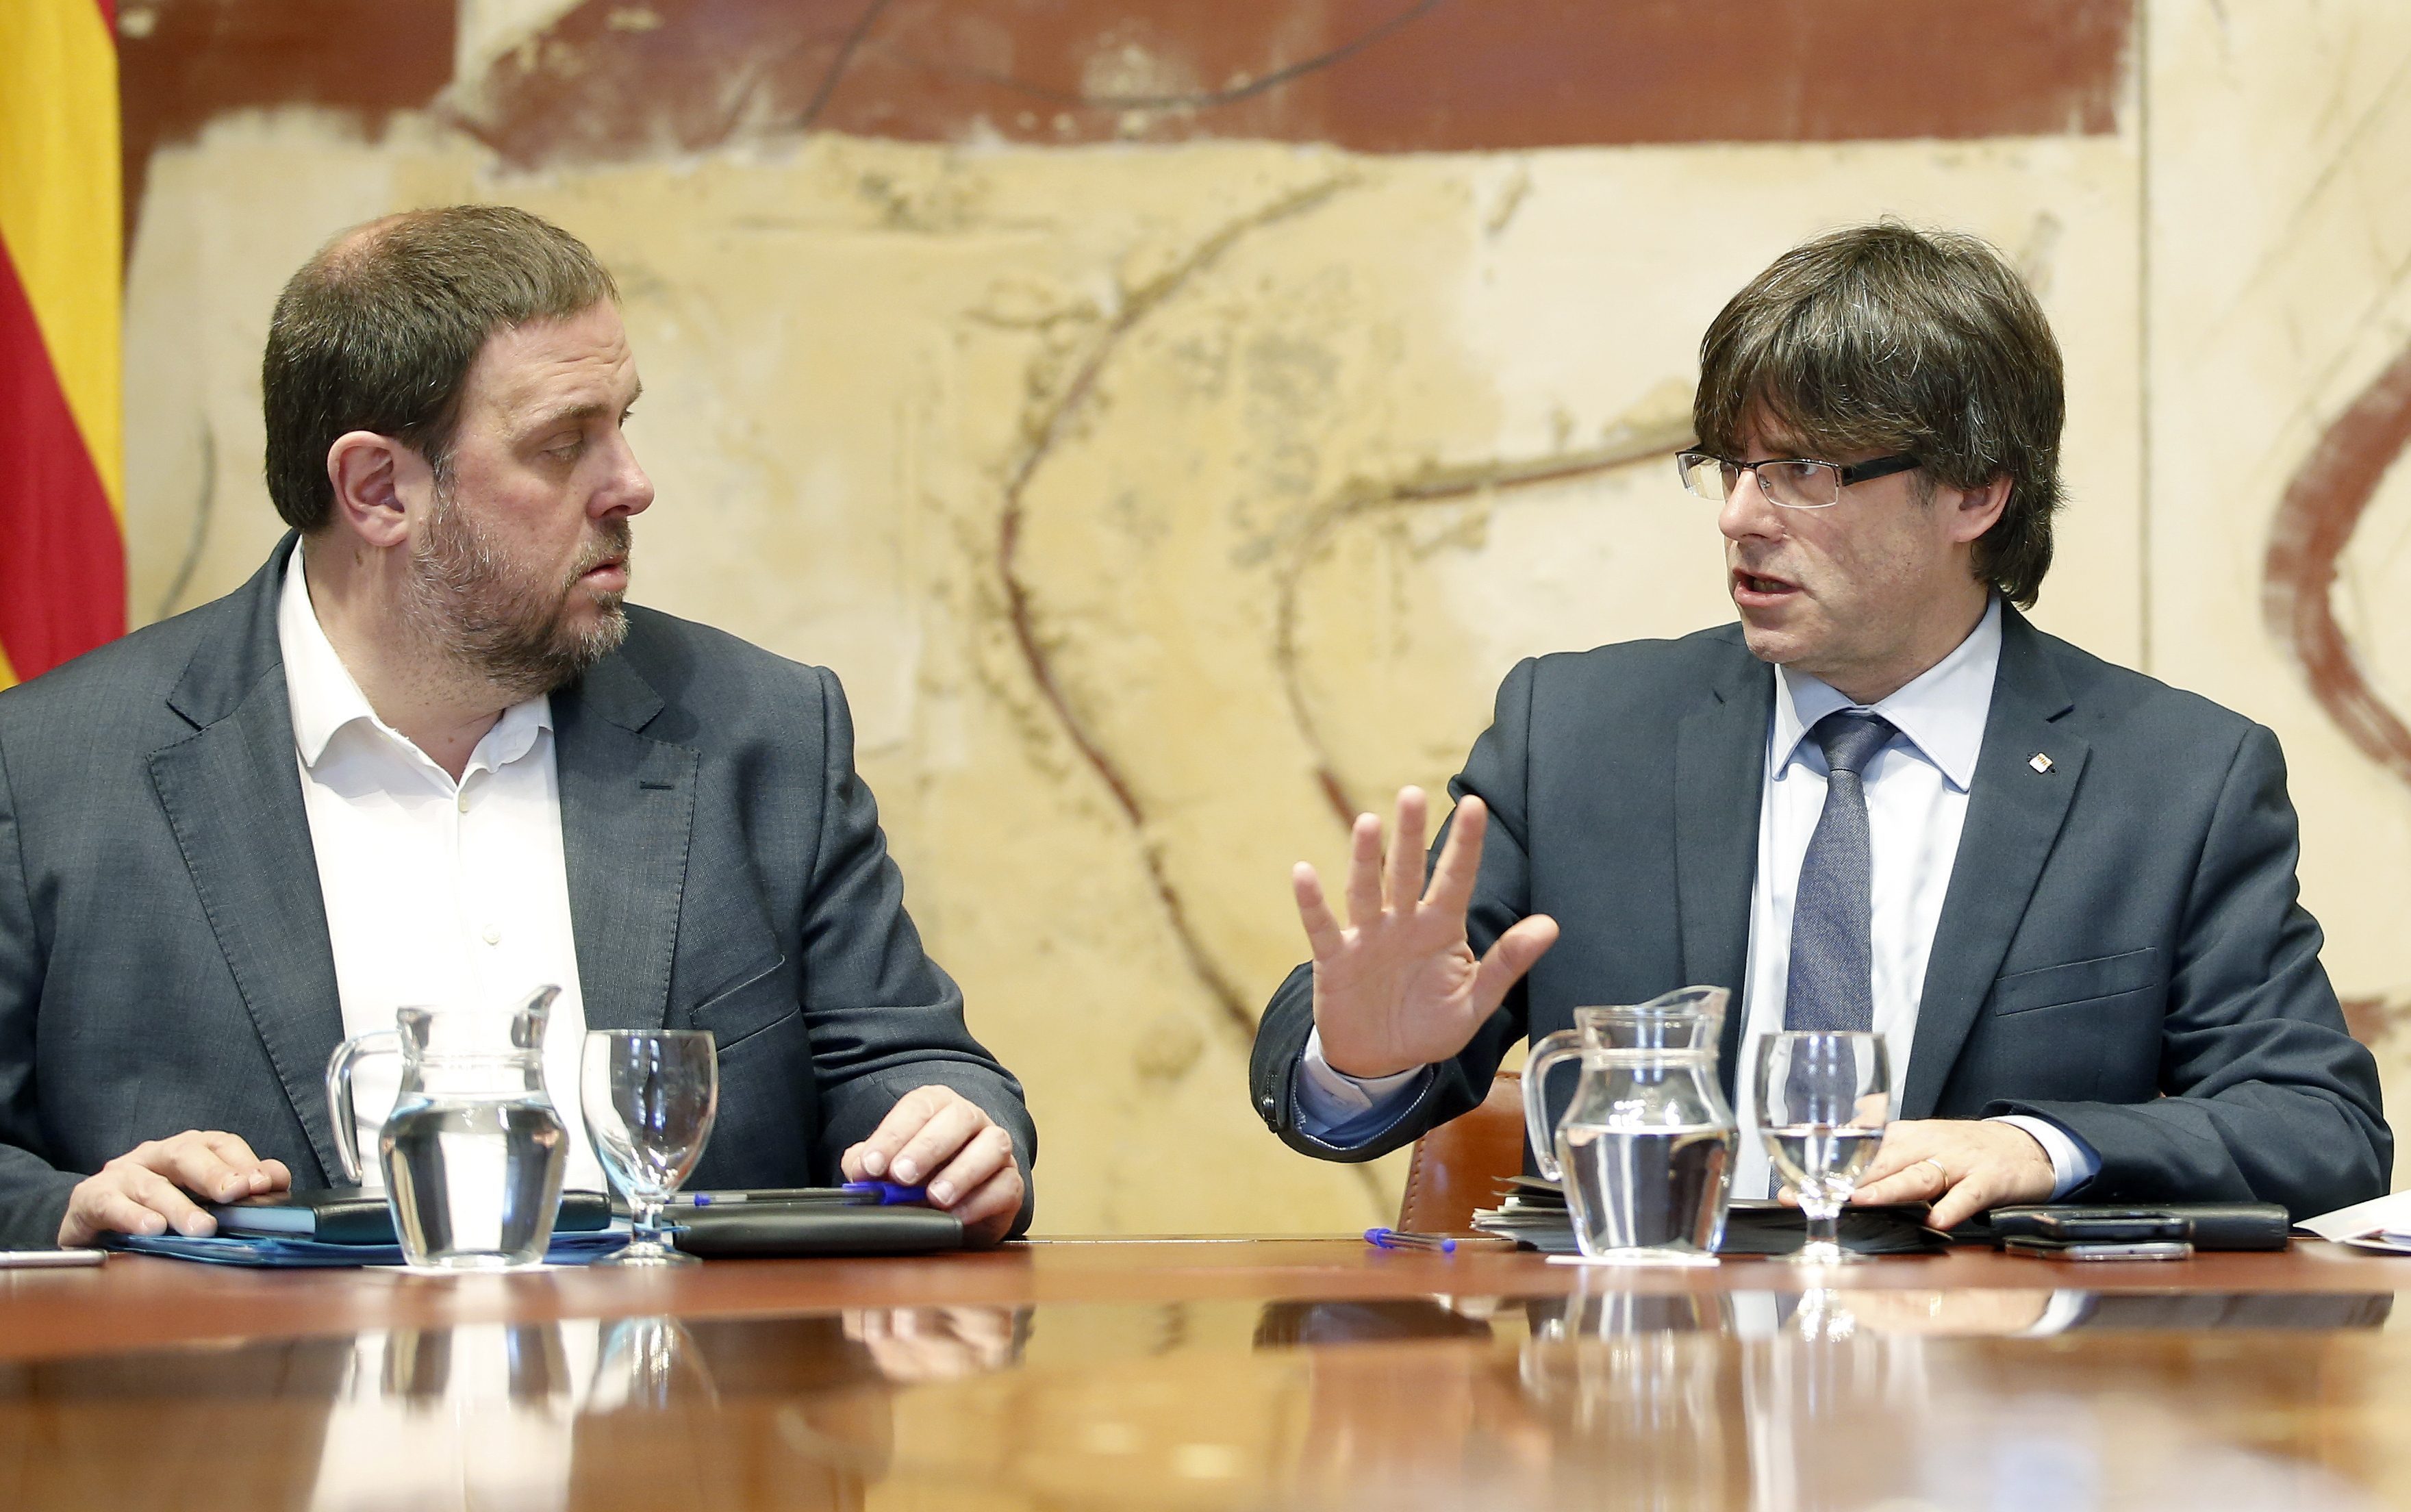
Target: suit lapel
point(2014, 814)
point(232, 793)
point(627, 819)
point(1719, 765)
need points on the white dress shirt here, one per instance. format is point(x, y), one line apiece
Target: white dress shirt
point(436, 892)
point(1917, 803)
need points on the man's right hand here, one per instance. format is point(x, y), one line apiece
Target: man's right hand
point(1399, 987)
point(143, 1191)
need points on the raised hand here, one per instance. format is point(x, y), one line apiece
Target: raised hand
point(1399, 987)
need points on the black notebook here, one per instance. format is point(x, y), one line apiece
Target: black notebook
point(806, 1229)
point(1760, 1227)
point(348, 1215)
point(1532, 1212)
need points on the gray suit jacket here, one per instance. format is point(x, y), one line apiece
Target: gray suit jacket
point(163, 956)
point(2120, 949)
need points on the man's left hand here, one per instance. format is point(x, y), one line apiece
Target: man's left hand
point(938, 1138)
point(1963, 1167)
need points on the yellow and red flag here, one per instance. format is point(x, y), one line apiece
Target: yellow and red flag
point(62, 491)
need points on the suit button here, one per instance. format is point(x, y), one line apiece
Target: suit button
point(1269, 1107)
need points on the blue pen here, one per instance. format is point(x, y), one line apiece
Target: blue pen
point(885, 1194)
point(1398, 1239)
point(852, 1195)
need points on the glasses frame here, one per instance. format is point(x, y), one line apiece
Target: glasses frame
point(1848, 473)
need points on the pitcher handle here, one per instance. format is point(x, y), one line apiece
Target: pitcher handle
point(339, 1094)
point(1547, 1053)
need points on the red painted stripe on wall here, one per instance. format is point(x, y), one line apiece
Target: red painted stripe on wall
point(61, 562)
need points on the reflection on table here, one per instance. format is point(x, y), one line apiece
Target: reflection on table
point(1606, 1396)
point(1822, 1399)
point(787, 1412)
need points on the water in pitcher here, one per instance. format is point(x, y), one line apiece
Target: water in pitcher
point(473, 1183)
point(1646, 1188)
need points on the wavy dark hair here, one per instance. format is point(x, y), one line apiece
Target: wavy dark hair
point(379, 332)
point(1886, 338)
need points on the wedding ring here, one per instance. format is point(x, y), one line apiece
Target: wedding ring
point(1940, 1170)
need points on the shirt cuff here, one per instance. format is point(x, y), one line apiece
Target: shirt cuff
point(2072, 1163)
point(1332, 1104)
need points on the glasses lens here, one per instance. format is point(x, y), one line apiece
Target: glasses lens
point(1705, 475)
point(1801, 485)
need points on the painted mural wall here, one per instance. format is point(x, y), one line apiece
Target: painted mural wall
point(1172, 421)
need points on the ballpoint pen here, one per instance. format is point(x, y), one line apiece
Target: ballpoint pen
point(1399, 1239)
point(852, 1195)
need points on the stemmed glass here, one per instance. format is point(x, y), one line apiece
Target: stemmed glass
point(1823, 1099)
point(649, 1096)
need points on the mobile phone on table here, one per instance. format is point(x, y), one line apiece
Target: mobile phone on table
point(2064, 1249)
point(2136, 1225)
point(2091, 1225)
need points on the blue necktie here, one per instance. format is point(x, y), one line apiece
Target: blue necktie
point(1831, 956)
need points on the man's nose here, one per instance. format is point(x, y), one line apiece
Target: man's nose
point(1747, 511)
point(628, 491)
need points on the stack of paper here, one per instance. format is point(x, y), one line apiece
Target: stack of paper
point(2382, 1224)
point(1532, 1212)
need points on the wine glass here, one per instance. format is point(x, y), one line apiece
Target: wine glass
point(1823, 1099)
point(649, 1096)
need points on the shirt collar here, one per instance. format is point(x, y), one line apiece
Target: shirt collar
point(1942, 712)
point(326, 700)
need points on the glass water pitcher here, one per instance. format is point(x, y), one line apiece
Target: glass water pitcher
point(1645, 1149)
point(472, 1152)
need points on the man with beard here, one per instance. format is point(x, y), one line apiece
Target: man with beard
point(425, 755)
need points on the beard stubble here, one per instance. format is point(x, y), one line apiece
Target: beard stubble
point(501, 621)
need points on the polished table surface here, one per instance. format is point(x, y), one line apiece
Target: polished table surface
point(1257, 1373)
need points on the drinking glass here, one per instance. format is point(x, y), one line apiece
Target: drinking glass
point(1823, 1099)
point(649, 1096)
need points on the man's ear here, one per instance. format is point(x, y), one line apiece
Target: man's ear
point(372, 474)
point(1980, 509)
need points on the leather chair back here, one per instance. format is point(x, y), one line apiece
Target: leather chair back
point(1457, 1167)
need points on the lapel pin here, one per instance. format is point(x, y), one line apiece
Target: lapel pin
point(2039, 762)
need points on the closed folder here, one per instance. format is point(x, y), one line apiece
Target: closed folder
point(348, 1215)
point(286, 1252)
point(1756, 1226)
point(2216, 1225)
point(807, 1228)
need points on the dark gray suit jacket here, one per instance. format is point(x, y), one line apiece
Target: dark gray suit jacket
point(163, 956)
point(2120, 951)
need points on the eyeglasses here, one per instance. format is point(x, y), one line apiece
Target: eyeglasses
point(1791, 482)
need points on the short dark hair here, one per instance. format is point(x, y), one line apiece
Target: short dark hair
point(1887, 338)
point(379, 332)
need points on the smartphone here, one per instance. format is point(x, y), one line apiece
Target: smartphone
point(2135, 1227)
point(2063, 1249)
point(2092, 1225)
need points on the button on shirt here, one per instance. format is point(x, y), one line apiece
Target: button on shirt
point(436, 892)
point(1917, 803)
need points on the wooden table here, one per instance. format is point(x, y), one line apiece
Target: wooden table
point(1269, 1373)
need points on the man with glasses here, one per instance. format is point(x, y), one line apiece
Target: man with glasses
point(2062, 893)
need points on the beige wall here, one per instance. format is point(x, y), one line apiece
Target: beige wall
point(1259, 416)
